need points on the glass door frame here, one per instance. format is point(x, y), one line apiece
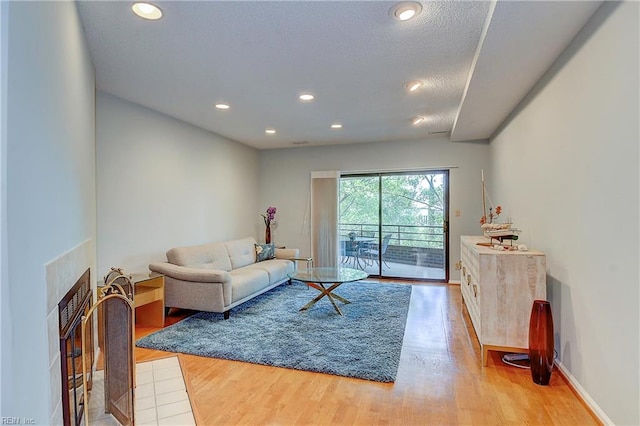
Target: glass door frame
point(445, 221)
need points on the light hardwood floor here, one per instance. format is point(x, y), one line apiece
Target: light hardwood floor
point(440, 381)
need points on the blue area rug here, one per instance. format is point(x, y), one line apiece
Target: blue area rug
point(364, 343)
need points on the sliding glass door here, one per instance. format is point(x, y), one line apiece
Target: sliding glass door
point(359, 220)
point(395, 224)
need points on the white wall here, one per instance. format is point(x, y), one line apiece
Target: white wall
point(566, 165)
point(164, 183)
point(5, 320)
point(286, 173)
point(50, 183)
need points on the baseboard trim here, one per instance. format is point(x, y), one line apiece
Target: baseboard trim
point(454, 282)
point(582, 395)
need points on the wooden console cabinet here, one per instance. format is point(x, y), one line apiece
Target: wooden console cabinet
point(148, 299)
point(498, 289)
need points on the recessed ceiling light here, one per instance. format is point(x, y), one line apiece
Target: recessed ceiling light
point(306, 97)
point(147, 11)
point(405, 10)
point(270, 131)
point(412, 86)
point(222, 106)
point(336, 126)
point(418, 120)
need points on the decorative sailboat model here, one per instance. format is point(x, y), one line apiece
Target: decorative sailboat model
point(499, 231)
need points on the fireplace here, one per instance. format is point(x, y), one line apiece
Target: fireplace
point(71, 308)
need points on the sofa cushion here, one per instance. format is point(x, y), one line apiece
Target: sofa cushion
point(241, 252)
point(213, 254)
point(246, 281)
point(278, 269)
point(265, 252)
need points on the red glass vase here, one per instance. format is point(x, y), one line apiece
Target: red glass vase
point(267, 234)
point(541, 346)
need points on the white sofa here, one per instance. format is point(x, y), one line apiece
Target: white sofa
point(216, 277)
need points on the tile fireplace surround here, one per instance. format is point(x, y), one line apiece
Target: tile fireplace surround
point(61, 274)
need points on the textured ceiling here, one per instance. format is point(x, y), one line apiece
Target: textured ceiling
point(355, 58)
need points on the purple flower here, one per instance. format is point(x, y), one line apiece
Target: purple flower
point(271, 214)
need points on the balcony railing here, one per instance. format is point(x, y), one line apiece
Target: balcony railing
point(402, 235)
point(409, 244)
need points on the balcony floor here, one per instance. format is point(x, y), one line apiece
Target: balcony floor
point(396, 270)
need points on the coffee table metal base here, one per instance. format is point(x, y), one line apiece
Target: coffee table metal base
point(324, 291)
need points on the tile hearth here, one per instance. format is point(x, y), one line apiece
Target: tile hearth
point(161, 395)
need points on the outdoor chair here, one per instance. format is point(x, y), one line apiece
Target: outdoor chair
point(349, 251)
point(375, 252)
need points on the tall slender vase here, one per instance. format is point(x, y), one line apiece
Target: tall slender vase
point(541, 342)
point(267, 234)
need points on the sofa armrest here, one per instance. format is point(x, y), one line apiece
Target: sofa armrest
point(191, 274)
point(287, 253)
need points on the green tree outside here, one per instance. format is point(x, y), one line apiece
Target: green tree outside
point(412, 207)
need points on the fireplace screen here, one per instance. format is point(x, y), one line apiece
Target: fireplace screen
point(117, 322)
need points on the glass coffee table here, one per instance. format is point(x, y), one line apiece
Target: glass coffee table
point(326, 280)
